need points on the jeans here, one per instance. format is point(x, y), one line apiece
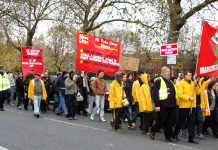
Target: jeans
point(99, 101)
point(37, 101)
point(127, 113)
point(91, 102)
point(62, 104)
point(12, 93)
point(135, 113)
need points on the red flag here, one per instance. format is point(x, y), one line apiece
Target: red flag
point(207, 64)
point(96, 53)
point(32, 59)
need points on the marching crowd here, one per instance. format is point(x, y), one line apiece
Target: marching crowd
point(168, 103)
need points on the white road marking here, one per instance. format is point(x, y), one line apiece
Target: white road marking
point(3, 148)
point(74, 124)
point(184, 147)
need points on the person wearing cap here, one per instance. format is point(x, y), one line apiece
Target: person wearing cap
point(4, 86)
point(36, 93)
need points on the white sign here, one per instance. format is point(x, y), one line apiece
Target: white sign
point(171, 60)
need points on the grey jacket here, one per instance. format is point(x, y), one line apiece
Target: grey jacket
point(71, 87)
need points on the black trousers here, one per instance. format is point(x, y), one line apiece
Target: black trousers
point(166, 119)
point(2, 98)
point(26, 103)
point(71, 105)
point(116, 114)
point(184, 114)
point(20, 96)
point(211, 121)
point(147, 121)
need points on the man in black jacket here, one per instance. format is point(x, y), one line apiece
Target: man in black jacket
point(48, 86)
point(60, 87)
point(20, 89)
point(164, 96)
point(27, 80)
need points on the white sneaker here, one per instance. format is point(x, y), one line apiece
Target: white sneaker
point(92, 117)
point(102, 119)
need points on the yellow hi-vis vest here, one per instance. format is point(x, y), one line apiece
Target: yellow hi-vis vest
point(4, 82)
point(163, 94)
point(163, 90)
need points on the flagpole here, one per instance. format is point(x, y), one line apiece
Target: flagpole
point(202, 23)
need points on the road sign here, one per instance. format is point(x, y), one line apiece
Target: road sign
point(171, 60)
point(169, 49)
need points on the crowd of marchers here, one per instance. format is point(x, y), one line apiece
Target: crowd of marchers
point(174, 104)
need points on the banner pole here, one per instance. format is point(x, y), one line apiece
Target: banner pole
point(202, 23)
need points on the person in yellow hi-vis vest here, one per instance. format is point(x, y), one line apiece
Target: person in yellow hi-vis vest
point(164, 96)
point(116, 94)
point(4, 86)
point(187, 91)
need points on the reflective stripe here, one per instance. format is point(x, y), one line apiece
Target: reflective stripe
point(163, 90)
point(163, 94)
point(4, 82)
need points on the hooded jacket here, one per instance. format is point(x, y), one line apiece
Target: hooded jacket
point(145, 101)
point(185, 91)
point(115, 93)
point(135, 91)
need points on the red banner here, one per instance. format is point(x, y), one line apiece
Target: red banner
point(32, 59)
point(95, 53)
point(169, 49)
point(208, 56)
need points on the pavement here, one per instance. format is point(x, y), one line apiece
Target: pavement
point(19, 130)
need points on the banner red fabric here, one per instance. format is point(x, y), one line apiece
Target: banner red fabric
point(96, 53)
point(207, 64)
point(32, 59)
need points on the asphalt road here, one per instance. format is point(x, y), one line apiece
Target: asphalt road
point(19, 130)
